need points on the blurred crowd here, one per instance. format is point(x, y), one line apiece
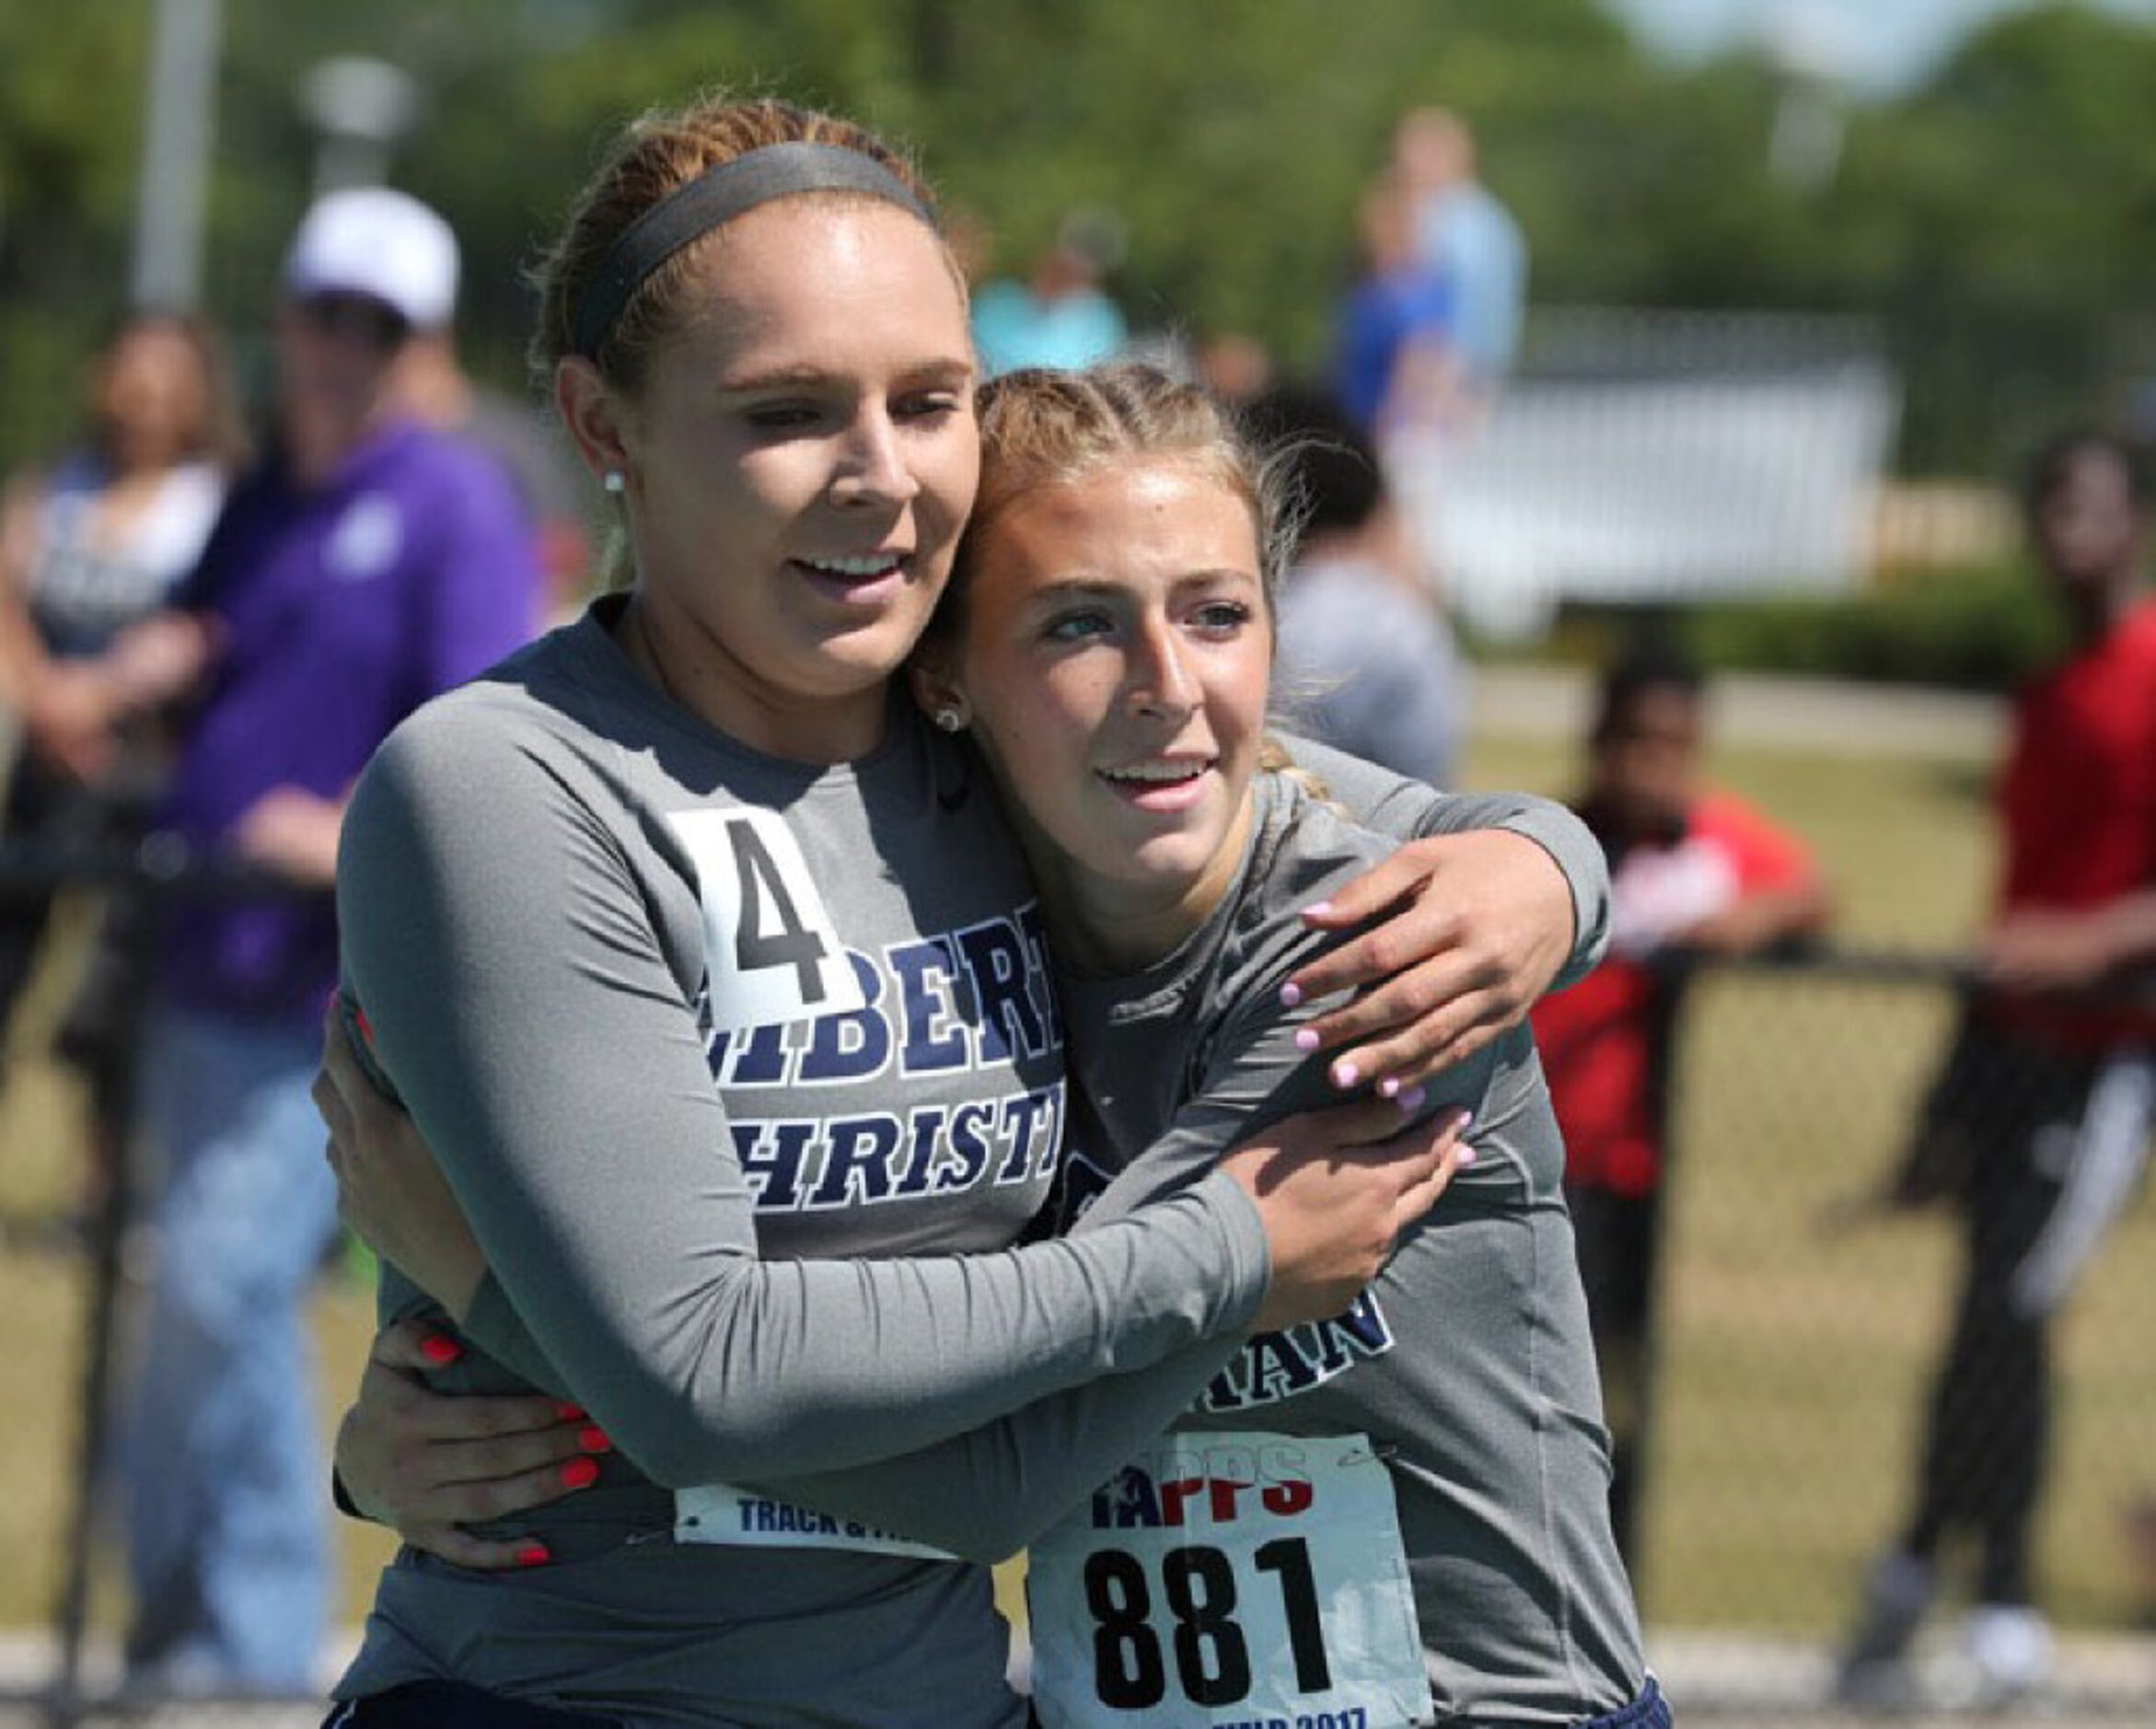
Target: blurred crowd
point(202, 637)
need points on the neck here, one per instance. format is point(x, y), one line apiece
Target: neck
point(685, 662)
point(317, 445)
point(2092, 612)
point(1105, 925)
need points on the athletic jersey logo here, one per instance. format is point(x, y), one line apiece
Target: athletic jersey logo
point(366, 540)
point(786, 1005)
point(1271, 1367)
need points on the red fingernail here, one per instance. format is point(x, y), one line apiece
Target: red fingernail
point(533, 1555)
point(580, 1473)
point(439, 1348)
point(594, 1439)
point(568, 1412)
point(367, 1027)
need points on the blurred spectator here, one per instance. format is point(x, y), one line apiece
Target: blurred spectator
point(2036, 1126)
point(433, 385)
point(1367, 661)
point(1060, 316)
point(1692, 868)
point(88, 547)
point(1236, 367)
point(1396, 368)
point(369, 563)
point(1464, 233)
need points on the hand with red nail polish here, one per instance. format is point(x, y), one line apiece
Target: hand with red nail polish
point(429, 1464)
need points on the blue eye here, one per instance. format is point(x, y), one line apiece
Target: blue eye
point(1075, 626)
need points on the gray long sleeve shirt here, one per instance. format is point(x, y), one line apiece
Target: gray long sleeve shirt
point(846, 1050)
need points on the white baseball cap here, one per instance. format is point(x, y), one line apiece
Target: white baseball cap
point(376, 242)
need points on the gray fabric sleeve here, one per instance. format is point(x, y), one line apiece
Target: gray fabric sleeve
point(987, 1495)
point(1408, 810)
point(498, 939)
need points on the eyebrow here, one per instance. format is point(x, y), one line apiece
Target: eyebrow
point(804, 376)
point(1065, 587)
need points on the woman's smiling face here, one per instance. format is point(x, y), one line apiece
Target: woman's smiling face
point(801, 458)
point(1115, 662)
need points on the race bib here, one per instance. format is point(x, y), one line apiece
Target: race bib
point(1230, 1581)
point(714, 1513)
point(767, 932)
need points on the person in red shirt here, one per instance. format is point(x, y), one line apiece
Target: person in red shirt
point(1691, 868)
point(2037, 1124)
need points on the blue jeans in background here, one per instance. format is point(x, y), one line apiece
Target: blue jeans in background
point(227, 1505)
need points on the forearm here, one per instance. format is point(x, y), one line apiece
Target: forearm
point(615, 1212)
point(986, 1494)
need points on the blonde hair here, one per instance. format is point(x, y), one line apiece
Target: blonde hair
point(658, 154)
point(1041, 426)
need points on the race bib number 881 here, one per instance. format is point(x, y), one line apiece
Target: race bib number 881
point(1229, 1579)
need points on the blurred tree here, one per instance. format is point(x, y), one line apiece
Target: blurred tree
point(2000, 219)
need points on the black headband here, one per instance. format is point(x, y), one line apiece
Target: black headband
point(717, 195)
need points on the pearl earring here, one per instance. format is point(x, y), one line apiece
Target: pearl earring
point(615, 482)
point(949, 718)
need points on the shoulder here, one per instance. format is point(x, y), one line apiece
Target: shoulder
point(1305, 847)
point(522, 713)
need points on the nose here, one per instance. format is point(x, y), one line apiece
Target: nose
point(1162, 680)
point(873, 468)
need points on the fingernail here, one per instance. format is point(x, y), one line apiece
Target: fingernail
point(1463, 1157)
point(439, 1348)
point(1292, 995)
point(1317, 909)
point(580, 1473)
point(1305, 1040)
point(568, 1412)
point(533, 1555)
point(1412, 1100)
point(367, 1027)
point(1467, 1119)
point(1345, 1075)
point(593, 1438)
point(1390, 1086)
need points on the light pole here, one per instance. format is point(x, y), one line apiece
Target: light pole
point(173, 187)
point(360, 107)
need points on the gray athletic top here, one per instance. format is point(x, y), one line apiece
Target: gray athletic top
point(1467, 1362)
point(534, 871)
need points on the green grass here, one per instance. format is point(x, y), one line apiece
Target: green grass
point(1794, 1358)
point(1795, 1355)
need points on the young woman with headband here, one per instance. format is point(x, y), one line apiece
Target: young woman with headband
point(715, 977)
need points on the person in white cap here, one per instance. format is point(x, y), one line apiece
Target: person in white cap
point(368, 562)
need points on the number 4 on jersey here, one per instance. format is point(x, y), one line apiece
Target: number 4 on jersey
point(771, 947)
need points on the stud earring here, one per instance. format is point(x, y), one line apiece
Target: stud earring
point(615, 482)
point(949, 718)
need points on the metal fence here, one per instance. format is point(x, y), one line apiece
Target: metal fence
point(1797, 1329)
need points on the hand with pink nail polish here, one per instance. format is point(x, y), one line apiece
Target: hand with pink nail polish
point(1336, 1189)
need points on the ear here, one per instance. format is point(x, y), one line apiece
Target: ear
point(595, 414)
point(935, 691)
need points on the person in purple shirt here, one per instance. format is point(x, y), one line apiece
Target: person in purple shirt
point(368, 564)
